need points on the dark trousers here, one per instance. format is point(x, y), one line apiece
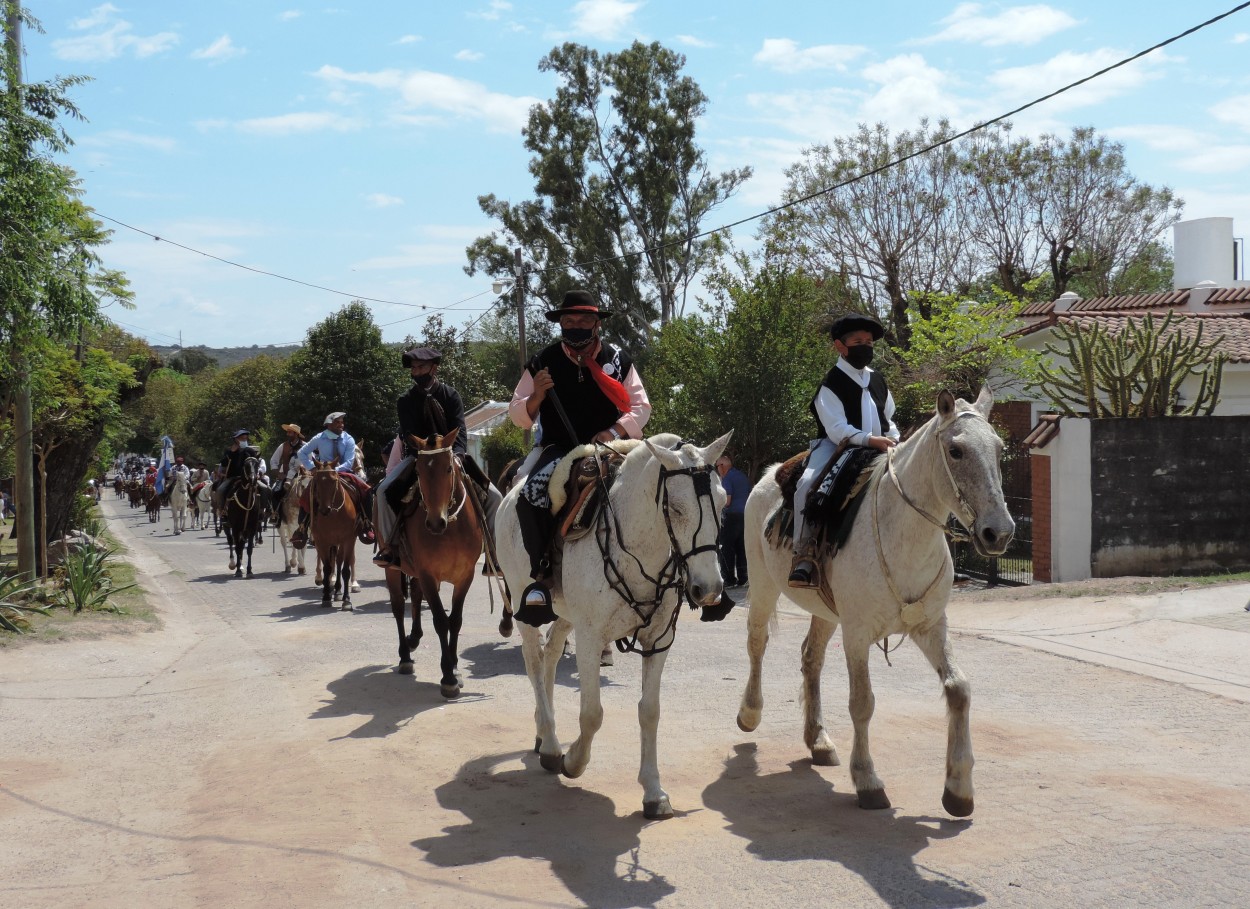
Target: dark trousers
point(733, 548)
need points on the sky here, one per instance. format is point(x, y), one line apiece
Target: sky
point(346, 146)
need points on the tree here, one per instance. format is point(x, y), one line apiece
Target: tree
point(460, 368)
point(191, 361)
point(343, 365)
point(622, 187)
point(245, 396)
point(1136, 371)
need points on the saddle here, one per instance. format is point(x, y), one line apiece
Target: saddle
point(832, 511)
point(580, 481)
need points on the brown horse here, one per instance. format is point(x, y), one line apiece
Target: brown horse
point(440, 540)
point(333, 513)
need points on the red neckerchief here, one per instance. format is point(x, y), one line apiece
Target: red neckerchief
point(611, 388)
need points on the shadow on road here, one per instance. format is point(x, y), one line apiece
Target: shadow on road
point(385, 698)
point(531, 814)
point(797, 816)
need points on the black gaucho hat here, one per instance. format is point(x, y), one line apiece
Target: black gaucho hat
point(417, 354)
point(576, 302)
point(843, 325)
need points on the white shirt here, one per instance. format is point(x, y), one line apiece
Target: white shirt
point(833, 415)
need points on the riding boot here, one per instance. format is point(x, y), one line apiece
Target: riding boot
point(538, 527)
point(803, 566)
point(299, 539)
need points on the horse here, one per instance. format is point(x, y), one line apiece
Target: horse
point(201, 505)
point(152, 501)
point(242, 515)
point(333, 530)
point(654, 542)
point(892, 576)
point(179, 497)
point(119, 486)
point(442, 539)
point(287, 520)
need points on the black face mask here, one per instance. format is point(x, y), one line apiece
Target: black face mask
point(577, 338)
point(423, 381)
point(859, 356)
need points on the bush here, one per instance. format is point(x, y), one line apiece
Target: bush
point(87, 583)
point(14, 595)
point(502, 444)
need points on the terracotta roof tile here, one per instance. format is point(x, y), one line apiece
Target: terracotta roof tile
point(1046, 429)
point(1233, 328)
point(1230, 295)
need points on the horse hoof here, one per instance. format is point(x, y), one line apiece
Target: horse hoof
point(552, 763)
point(538, 745)
point(955, 805)
point(657, 810)
point(238, 572)
point(505, 627)
point(748, 721)
point(249, 572)
point(449, 691)
point(405, 668)
point(413, 642)
point(825, 757)
point(873, 800)
point(301, 570)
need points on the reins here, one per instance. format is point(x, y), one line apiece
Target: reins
point(459, 474)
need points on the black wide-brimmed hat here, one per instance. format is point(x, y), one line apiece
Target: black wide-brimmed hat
point(843, 325)
point(418, 354)
point(577, 302)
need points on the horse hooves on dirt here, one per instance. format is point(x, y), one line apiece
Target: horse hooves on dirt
point(955, 805)
point(552, 763)
point(657, 810)
point(873, 799)
point(405, 668)
point(249, 573)
point(505, 626)
point(824, 757)
point(301, 569)
point(748, 722)
point(346, 606)
point(449, 691)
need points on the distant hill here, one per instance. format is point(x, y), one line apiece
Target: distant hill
point(232, 356)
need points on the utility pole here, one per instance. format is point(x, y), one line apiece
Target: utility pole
point(518, 273)
point(23, 418)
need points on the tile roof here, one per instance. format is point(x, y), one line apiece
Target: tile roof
point(478, 418)
point(1232, 328)
point(1046, 429)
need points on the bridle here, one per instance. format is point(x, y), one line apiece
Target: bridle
point(458, 472)
point(969, 517)
point(675, 573)
point(338, 486)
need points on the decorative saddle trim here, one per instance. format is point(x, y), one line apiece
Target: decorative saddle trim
point(558, 489)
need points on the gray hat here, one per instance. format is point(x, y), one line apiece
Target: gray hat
point(334, 416)
point(241, 432)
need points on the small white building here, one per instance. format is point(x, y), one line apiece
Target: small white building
point(479, 421)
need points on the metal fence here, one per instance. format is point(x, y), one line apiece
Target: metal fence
point(1015, 566)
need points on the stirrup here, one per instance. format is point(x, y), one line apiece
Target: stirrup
point(801, 573)
point(536, 605)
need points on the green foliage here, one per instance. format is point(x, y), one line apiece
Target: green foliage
point(461, 368)
point(1135, 372)
point(616, 169)
point(16, 603)
point(241, 397)
point(501, 445)
point(191, 361)
point(343, 365)
point(86, 582)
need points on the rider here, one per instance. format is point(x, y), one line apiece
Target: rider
point(853, 408)
point(232, 462)
point(600, 398)
point(427, 409)
point(284, 462)
point(334, 443)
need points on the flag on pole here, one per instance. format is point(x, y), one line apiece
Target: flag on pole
point(166, 462)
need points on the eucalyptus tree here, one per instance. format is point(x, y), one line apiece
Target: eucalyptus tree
point(622, 188)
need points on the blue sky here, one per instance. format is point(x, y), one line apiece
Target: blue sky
point(346, 147)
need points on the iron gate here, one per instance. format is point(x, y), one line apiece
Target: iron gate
point(1015, 566)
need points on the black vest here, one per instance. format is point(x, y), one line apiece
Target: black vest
point(588, 408)
point(850, 394)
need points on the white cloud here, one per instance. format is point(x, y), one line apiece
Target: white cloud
point(290, 124)
point(415, 256)
point(112, 138)
point(115, 39)
point(603, 19)
point(814, 115)
point(426, 94)
point(382, 200)
point(692, 41)
point(784, 55)
point(909, 89)
point(409, 39)
point(1241, 37)
point(493, 12)
point(1234, 111)
point(469, 56)
point(1026, 82)
point(1014, 25)
point(1188, 149)
point(219, 51)
point(288, 15)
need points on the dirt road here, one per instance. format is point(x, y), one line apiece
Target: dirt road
point(258, 750)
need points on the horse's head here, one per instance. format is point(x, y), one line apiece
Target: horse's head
point(437, 478)
point(971, 451)
point(690, 499)
point(251, 468)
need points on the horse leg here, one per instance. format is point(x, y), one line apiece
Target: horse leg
point(655, 803)
point(395, 589)
point(230, 547)
point(590, 717)
point(868, 785)
point(957, 794)
point(814, 735)
point(536, 658)
point(346, 567)
point(760, 618)
point(325, 571)
point(448, 628)
point(414, 593)
point(251, 538)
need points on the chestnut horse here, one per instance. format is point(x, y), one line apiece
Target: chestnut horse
point(333, 528)
point(439, 540)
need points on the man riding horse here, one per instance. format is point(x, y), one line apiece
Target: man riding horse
point(429, 408)
point(582, 389)
point(231, 468)
point(854, 412)
point(334, 443)
point(284, 462)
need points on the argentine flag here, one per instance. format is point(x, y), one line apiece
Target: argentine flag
point(167, 459)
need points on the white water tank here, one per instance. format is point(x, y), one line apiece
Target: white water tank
point(1203, 250)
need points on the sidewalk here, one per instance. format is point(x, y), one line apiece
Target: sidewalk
point(1196, 637)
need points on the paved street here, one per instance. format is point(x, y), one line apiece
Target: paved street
point(258, 750)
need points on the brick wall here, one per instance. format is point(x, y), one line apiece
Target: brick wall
point(1016, 417)
point(1041, 518)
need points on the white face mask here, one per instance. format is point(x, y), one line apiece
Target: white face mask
point(330, 434)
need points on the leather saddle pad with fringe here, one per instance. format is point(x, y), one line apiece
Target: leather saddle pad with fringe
point(580, 482)
point(837, 515)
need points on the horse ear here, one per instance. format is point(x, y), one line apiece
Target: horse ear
point(670, 459)
point(717, 448)
point(446, 441)
point(985, 401)
point(418, 443)
point(945, 404)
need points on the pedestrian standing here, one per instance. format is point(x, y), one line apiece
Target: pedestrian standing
point(732, 542)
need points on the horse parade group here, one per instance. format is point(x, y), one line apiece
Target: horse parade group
point(601, 533)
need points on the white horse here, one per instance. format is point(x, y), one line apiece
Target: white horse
point(655, 540)
point(893, 576)
point(287, 520)
point(179, 498)
point(202, 507)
